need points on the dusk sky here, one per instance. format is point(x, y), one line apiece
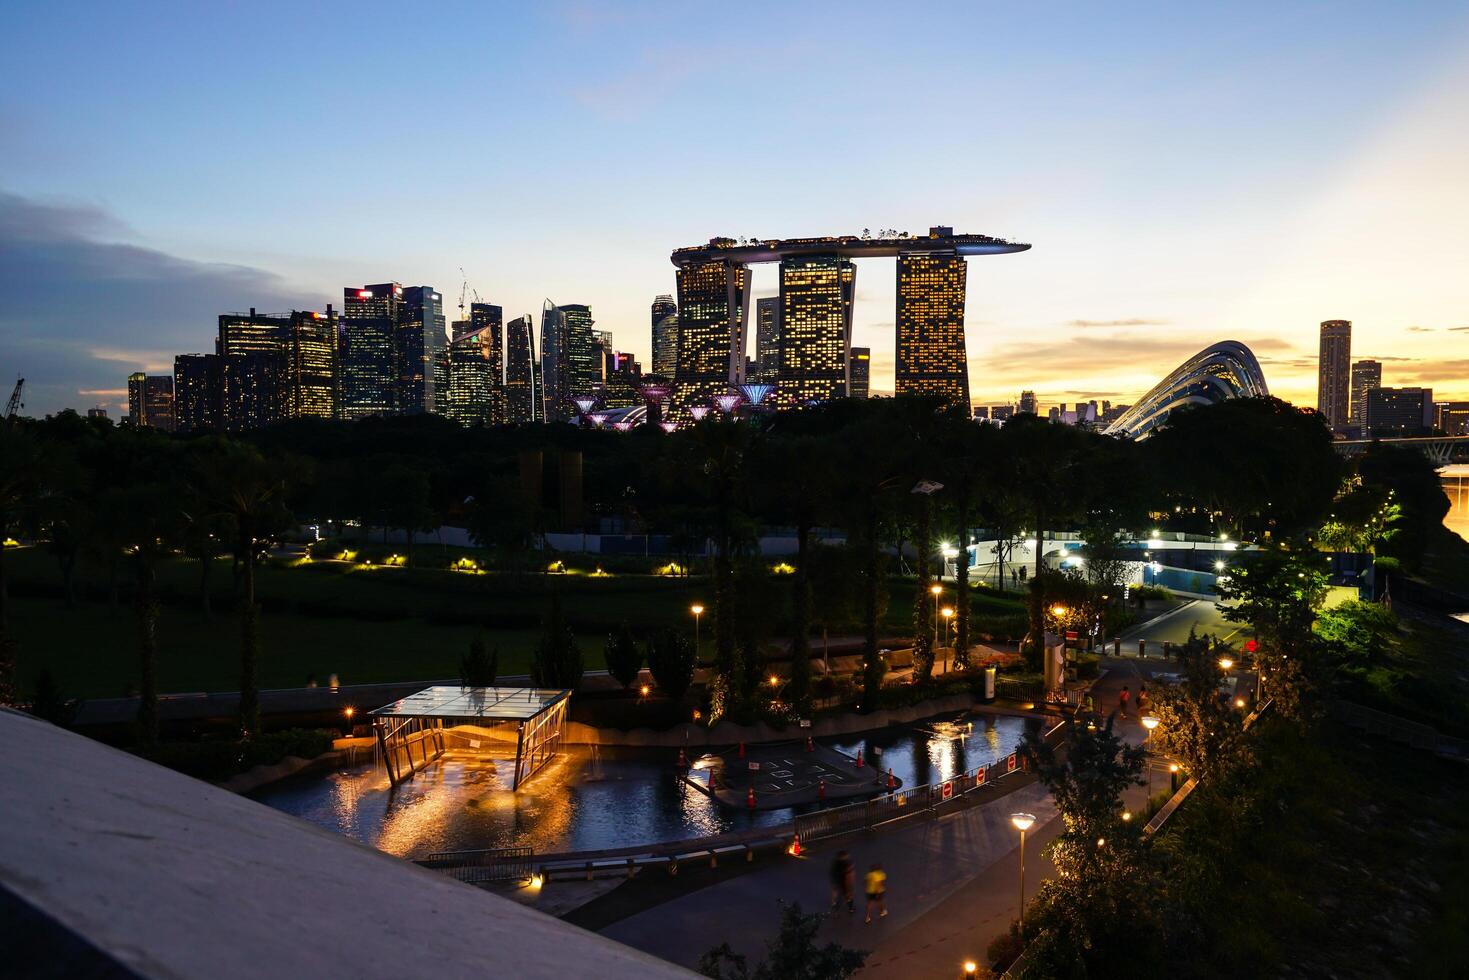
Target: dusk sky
point(1186, 173)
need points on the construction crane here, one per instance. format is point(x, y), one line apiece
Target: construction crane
point(15, 404)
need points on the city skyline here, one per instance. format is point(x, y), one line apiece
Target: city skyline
point(1252, 200)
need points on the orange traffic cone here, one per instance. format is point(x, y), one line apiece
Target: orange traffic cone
point(859, 757)
point(750, 797)
point(742, 750)
point(796, 846)
point(892, 783)
point(810, 746)
point(821, 789)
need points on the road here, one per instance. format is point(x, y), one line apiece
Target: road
point(1202, 615)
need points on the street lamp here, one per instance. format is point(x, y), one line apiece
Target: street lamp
point(971, 968)
point(1225, 664)
point(697, 610)
point(935, 590)
point(1022, 822)
point(1150, 722)
point(948, 613)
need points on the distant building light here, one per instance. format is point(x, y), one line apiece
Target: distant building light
point(364, 294)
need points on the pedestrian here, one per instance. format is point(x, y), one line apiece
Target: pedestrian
point(1022, 573)
point(1142, 698)
point(1122, 700)
point(877, 886)
point(842, 874)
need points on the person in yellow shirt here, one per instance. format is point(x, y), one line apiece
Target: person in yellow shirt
point(877, 886)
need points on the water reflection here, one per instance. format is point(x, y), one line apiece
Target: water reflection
point(590, 798)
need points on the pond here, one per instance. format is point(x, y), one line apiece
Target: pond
point(591, 798)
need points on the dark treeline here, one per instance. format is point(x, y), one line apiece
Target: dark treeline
point(120, 500)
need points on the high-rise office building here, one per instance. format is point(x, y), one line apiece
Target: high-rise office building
point(475, 394)
point(1334, 372)
point(422, 361)
point(198, 389)
point(1451, 418)
point(522, 372)
point(253, 369)
point(713, 308)
point(556, 372)
point(369, 363)
point(252, 333)
point(1028, 404)
point(860, 375)
point(1399, 411)
point(150, 401)
point(930, 351)
point(767, 337)
point(581, 350)
point(1001, 413)
point(311, 365)
point(665, 335)
point(815, 327)
point(1366, 375)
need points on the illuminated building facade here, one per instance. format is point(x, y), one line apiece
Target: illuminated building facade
point(522, 372)
point(475, 394)
point(713, 308)
point(369, 364)
point(252, 369)
point(1334, 370)
point(1366, 375)
point(1221, 371)
point(555, 363)
point(930, 352)
point(665, 335)
point(150, 401)
point(197, 389)
point(1029, 404)
point(311, 365)
point(815, 324)
point(1399, 412)
point(859, 377)
point(767, 336)
point(420, 350)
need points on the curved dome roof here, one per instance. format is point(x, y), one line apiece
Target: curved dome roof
point(1227, 369)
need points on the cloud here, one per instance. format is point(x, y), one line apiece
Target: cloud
point(1417, 329)
point(84, 308)
point(1129, 322)
point(1458, 329)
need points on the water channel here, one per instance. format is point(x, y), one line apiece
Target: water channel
point(591, 798)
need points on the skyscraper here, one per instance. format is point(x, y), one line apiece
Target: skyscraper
point(311, 365)
point(555, 363)
point(369, 364)
point(713, 308)
point(1334, 371)
point(522, 385)
point(1028, 404)
point(150, 401)
point(815, 327)
point(581, 351)
point(860, 375)
point(198, 390)
point(422, 363)
point(931, 358)
point(1399, 411)
point(1366, 375)
point(767, 336)
point(665, 335)
point(252, 369)
point(476, 389)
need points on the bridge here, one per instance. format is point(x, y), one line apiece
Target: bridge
point(1441, 449)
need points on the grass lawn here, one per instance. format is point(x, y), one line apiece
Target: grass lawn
point(363, 623)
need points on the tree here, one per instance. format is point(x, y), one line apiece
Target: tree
point(623, 655)
point(967, 454)
point(1358, 633)
point(24, 464)
point(404, 501)
point(479, 666)
point(1277, 592)
point(49, 703)
point(247, 489)
point(671, 662)
point(558, 662)
point(503, 517)
point(792, 955)
point(1097, 913)
point(1195, 724)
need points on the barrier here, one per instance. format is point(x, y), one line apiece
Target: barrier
point(491, 864)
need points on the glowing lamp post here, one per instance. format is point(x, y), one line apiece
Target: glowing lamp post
point(697, 610)
point(1150, 722)
point(1022, 822)
point(935, 590)
point(948, 614)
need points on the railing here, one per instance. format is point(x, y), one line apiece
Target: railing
point(930, 798)
point(490, 864)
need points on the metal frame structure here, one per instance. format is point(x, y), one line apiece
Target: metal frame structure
point(411, 731)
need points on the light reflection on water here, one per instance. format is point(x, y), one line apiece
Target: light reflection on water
point(591, 798)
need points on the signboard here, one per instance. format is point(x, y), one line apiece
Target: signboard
point(979, 776)
point(1010, 763)
point(754, 766)
point(805, 722)
point(1071, 636)
point(948, 788)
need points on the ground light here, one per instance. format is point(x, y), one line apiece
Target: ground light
point(1022, 822)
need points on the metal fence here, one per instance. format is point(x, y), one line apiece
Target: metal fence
point(491, 864)
point(904, 803)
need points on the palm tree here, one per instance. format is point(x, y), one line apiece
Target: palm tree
point(149, 519)
point(248, 489)
point(968, 454)
point(23, 466)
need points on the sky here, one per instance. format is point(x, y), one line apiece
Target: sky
point(1186, 173)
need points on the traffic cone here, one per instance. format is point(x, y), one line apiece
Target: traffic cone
point(810, 746)
point(859, 757)
point(742, 750)
point(796, 846)
point(821, 789)
point(750, 797)
point(892, 783)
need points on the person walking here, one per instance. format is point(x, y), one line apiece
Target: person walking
point(1142, 698)
point(1122, 700)
point(842, 873)
point(877, 886)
